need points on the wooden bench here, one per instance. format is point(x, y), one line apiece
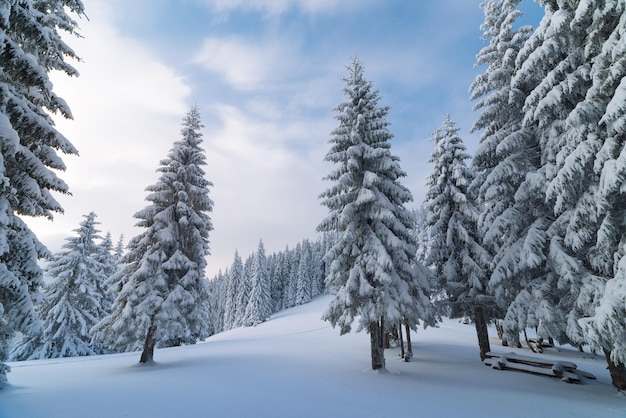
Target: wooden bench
point(565, 370)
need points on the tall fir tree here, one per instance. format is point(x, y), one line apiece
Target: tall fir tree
point(31, 44)
point(304, 275)
point(234, 278)
point(164, 298)
point(459, 260)
point(498, 164)
point(259, 307)
point(74, 300)
point(106, 256)
point(243, 294)
point(373, 261)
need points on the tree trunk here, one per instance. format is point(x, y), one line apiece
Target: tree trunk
point(376, 340)
point(409, 348)
point(147, 355)
point(401, 340)
point(481, 331)
point(617, 371)
point(500, 330)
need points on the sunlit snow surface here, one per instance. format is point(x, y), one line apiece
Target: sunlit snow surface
point(295, 365)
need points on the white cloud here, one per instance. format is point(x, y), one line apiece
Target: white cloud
point(246, 65)
point(277, 7)
point(127, 108)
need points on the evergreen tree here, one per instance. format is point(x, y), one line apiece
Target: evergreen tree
point(421, 233)
point(373, 262)
point(234, 277)
point(243, 295)
point(455, 253)
point(292, 286)
point(108, 260)
point(498, 164)
point(304, 279)
point(118, 252)
point(279, 281)
point(32, 47)
point(74, 300)
point(164, 298)
point(217, 303)
point(259, 306)
point(515, 219)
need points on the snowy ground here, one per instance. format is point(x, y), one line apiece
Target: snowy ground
point(297, 366)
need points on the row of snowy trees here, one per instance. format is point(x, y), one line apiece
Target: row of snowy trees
point(247, 293)
point(535, 231)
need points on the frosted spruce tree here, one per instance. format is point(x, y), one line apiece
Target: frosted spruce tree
point(109, 260)
point(372, 263)
point(506, 152)
point(233, 283)
point(498, 164)
point(74, 300)
point(30, 144)
point(164, 297)
point(455, 253)
point(259, 307)
point(516, 220)
point(304, 275)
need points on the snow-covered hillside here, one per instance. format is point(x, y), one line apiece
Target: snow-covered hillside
point(295, 365)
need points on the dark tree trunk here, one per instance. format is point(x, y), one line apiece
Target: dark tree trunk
point(376, 342)
point(481, 331)
point(147, 355)
point(617, 371)
point(401, 340)
point(409, 347)
point(500, 330)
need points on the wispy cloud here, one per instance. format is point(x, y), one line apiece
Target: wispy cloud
point(277, 7)
point(244, 64)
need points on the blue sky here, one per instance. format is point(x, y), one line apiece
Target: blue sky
point(266, 75)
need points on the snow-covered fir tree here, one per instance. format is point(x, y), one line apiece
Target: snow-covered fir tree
point(217, 302)
point(304, 275)
point(32, 47)
point(243, 294)
point(106, 256)
point(515, 219)
point(373, 261)
point(74, 300)
point(498, 165)
point(259, 307)
point(278, 280)
point(421, 234)
point(455, 253)
point(164, 298)
point(234, 277)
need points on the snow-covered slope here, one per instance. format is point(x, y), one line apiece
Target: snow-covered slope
point(295, 365)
